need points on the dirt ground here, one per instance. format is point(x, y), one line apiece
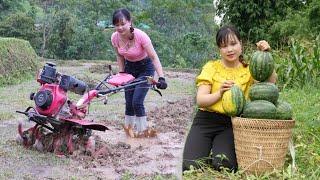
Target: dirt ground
point(121, 157)
point(145, 157)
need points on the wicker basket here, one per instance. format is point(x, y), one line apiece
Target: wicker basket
point(261, 144)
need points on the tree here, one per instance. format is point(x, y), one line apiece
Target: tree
point(46, 20)
point(254, 18)
point(303, 23)
point(9, 6)
point(182, 31)
point(19, 26)
point(314, 16)
point(62, 33)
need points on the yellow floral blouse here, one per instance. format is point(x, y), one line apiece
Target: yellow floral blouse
point(214, 73)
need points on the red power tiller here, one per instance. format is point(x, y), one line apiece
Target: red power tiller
point(60, 125)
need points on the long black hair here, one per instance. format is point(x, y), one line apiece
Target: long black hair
point(223, 36)
point(119, 15)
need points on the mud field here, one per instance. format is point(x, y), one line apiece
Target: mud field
point(119, 157)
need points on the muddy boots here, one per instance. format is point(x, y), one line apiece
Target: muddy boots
point(142, 128)
point(129, 123)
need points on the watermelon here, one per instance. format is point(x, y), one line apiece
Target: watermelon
point(284, 110)
point(261, 66)
point(264, 91)
point(259, 109)
point(233, 101)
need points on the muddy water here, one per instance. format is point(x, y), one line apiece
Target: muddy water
point(144, 157)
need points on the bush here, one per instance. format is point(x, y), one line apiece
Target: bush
point(18, 60)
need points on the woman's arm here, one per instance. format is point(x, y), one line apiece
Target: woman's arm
point(273, 77)
point(204, 96)
point(155, 59)
point(120, 61)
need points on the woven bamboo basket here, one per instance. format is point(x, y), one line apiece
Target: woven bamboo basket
point(261, 144)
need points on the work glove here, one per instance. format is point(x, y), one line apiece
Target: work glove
point(161, 83)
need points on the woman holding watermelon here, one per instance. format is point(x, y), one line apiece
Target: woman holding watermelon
point(210, 137)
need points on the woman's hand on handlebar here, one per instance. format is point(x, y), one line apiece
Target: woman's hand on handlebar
point(161, 84)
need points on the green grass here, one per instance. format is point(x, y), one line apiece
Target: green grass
point(306, 136)
point(175, 86)
point(6, 115)
point(306, 104)
point(128, 176)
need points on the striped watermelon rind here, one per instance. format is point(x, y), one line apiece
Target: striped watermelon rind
point(259, 109)
point(261, 66)
point(233, 101)
point(284, 110)
point(264, 91)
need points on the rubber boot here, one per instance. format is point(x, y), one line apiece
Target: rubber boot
point(129, 124)
point(143, 130)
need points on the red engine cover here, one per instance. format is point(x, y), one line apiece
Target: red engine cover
point(59, 98)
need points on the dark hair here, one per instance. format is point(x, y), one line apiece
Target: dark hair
point(223, 35)
point(119, 15)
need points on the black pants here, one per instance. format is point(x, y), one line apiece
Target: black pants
point(135, 95)
point(210, 132)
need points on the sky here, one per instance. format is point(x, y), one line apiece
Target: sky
point(217, 19)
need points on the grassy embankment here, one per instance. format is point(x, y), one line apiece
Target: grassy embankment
point(18, 61)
